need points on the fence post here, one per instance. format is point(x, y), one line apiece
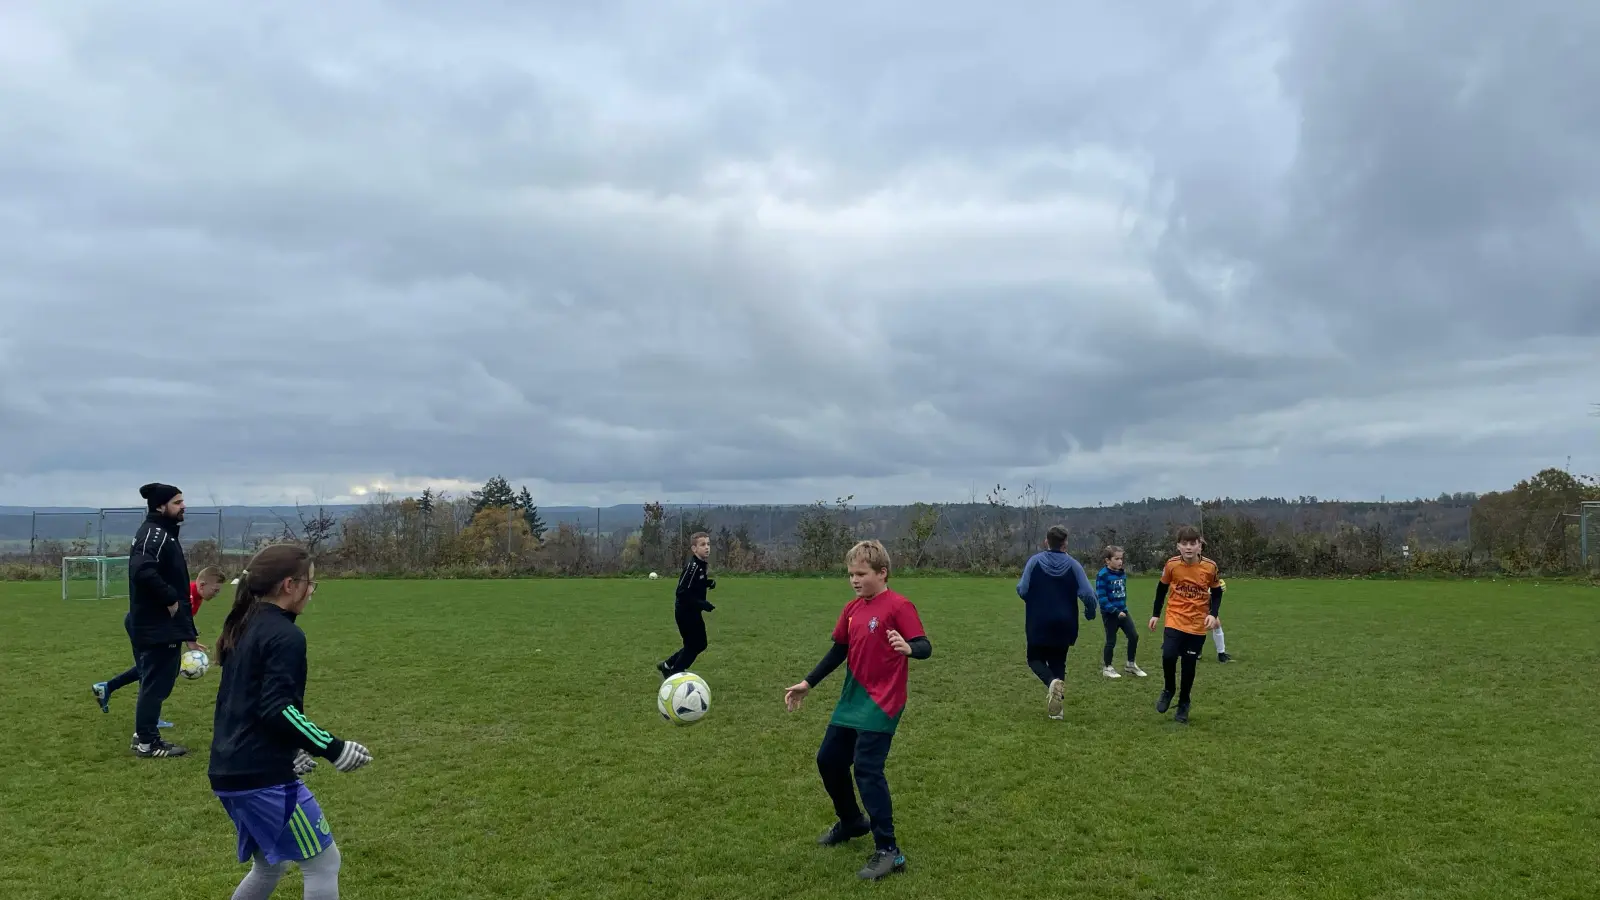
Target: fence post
point(1589, 506)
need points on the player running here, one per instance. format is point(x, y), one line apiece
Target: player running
point(262, 741)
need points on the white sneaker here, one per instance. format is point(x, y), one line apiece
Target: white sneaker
point(1055, 697)
point(1109, 672)
point(1134, 670)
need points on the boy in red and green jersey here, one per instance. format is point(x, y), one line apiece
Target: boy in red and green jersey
point(876, 634)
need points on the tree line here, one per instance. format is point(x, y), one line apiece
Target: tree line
point(1531, 528)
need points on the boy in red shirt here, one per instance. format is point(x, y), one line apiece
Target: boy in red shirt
point(205, 586)
point(875, 634)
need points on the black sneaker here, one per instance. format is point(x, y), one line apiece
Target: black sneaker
point(882, 863)
point(1223, 658)
point(664, 669)
point(1164, 701)
point(160, 748)
point(102, 696)
point(1182, 715)
point(840, 832)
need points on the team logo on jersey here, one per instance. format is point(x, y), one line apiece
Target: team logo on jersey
point(872, 625)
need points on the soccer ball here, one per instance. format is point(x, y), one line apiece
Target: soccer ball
point(194, 664)
point(654, 576)
point(684, 699)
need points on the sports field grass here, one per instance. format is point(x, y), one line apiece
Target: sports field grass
point(1373, 740)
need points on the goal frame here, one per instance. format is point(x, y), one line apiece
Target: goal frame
point(102, 591)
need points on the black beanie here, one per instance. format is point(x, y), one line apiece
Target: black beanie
point(157, 494)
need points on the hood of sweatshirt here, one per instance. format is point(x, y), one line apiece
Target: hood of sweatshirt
point(1053, 562)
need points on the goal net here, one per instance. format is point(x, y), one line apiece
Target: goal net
point(94, 577)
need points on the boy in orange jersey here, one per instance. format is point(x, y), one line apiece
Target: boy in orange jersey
point(1195, 587)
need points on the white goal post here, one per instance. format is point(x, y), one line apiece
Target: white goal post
point(94, 577)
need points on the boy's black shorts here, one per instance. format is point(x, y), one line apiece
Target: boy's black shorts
point(1181, 643)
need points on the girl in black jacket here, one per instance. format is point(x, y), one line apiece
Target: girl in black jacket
point(262, 741)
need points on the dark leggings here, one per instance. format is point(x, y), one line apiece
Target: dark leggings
point(1175, 646)
point(131, 676)
point(846, 748)
point(1049, 663)
point(1169, 664)
point(158, 671)
point(1124, 624)
point(692, 628)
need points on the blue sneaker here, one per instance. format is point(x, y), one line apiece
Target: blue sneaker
point(163, 723)
point(102, 696)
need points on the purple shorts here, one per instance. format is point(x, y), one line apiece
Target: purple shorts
point(283, 821)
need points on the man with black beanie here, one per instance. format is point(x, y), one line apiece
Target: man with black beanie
point(159, 619)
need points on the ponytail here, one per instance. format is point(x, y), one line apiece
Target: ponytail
point(259, 581)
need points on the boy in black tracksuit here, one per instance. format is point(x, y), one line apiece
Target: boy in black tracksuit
point(159, 618)
point(689, 605)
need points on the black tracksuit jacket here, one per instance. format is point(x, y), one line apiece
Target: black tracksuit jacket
point(158, 577)
point(260, 720)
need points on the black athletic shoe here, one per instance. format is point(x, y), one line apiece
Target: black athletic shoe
point(1182, 716)
point(1164, 701)
point(840, 832)
point(664, 669)
point(1223, 658)
point(160, 748)
point(882, 863)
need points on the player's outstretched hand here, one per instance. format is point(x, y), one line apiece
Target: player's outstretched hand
point(303, 762)
point(1154, 622)
point(897, 642)
point(795, 695)
point(353, 757)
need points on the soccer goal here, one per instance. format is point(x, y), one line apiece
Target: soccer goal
point(94, 577)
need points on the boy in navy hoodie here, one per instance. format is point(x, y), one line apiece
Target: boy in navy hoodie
point(1111, 588)
point(1050, 582)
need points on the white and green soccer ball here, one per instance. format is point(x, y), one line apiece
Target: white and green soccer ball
point(654, 576)
point(194, 664)
point(684, 699)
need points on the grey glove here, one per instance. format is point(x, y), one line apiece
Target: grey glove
point(352, 757)
point(303, 763)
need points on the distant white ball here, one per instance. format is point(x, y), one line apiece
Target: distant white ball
point(194, 664)
point(654, 576)
point(684, 699)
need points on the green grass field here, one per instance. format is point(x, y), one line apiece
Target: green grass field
point(1374, 740)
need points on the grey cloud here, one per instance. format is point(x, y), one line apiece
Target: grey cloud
point(767, 251)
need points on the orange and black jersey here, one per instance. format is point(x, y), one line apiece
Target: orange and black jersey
point(1195, 592)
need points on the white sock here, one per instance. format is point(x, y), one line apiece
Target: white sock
point(1216, 635)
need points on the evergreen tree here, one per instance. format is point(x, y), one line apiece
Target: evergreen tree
point(496, 493)
point(530, 513)
point(425, 503)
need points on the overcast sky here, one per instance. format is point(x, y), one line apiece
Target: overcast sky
point(777, 252)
